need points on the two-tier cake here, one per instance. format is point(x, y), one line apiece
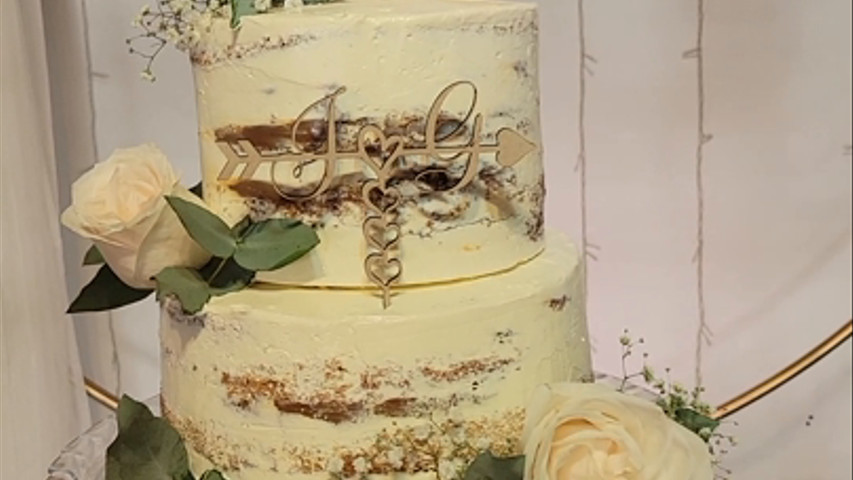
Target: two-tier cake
point(406, 132)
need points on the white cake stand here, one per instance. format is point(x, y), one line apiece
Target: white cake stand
point(85, 457)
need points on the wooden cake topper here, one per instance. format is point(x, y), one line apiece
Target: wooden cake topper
point(380, 153)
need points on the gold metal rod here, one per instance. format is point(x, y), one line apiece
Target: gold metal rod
point(786, 375)
point(101, 395)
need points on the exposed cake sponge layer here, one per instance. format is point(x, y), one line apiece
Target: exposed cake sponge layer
point(289, 383)
point(393, 57)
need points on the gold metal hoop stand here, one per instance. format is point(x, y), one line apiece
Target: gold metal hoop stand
point(107, 399)
point(787, 374)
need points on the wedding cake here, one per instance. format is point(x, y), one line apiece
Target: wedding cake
point(406, 134)
point(362, 285)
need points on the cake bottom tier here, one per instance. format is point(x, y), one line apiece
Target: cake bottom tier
point(273, 383)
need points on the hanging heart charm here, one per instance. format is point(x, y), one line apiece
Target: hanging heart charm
point(381, 235)
point(383, 200)
point(383, 272)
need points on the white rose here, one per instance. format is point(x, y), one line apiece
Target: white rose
point(577, 431)
point(120, 205)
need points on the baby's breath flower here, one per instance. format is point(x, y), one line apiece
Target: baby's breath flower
point(421, 432)
point(448, 469)
point(179, 22)
point(360, 465)
point(648, 374)
point(457, 434)
point(395, 457)
point(335, 465)
point(483, 444)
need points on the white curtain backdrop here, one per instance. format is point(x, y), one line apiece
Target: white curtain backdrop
point(76, 151)
point(42, 398)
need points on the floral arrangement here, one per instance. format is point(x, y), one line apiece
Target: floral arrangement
point(572, 431)
point(153, 234)
point(183, 23)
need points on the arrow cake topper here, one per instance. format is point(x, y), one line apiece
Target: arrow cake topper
point(380, 153)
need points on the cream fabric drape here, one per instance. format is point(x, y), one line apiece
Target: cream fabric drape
point(43, 401)
point(74, 144)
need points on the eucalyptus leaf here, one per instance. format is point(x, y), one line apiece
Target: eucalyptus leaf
point(695, 421)
point(226, 276)
point(129, 411)
point(93, 257)
point(489, 467)
point(106, 292)
point(212, 475)
point(242, 227)
point(204, 227)
point(274, 243)
point(240, 8)
point(186, 284)
point(147, 447)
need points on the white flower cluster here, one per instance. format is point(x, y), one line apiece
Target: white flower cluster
point(450, 469)
point(179, 22)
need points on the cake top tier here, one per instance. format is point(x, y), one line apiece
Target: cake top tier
point(407, 132)
point(399, 9)
point(298, 25)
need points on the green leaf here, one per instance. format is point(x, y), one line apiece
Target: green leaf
point(272, 244)
point(186, 284)
point(93, 257)
point(204, 227)
point(106, 292)
point(212, 475)
point(695, 421)
point(489, 467)
point(226, 276)
point(129, 411)
point(241, 228)
point(147, 447)
point(239, 8)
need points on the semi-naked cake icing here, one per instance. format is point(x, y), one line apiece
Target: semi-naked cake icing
point(283, 383)
point(307, 374)
point(393, 57)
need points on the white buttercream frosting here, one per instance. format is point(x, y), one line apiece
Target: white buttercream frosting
point(280, 382)
point(304, 376)
point(393, 57)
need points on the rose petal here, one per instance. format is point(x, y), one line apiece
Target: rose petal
point(590, 432)
point(120, 205)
